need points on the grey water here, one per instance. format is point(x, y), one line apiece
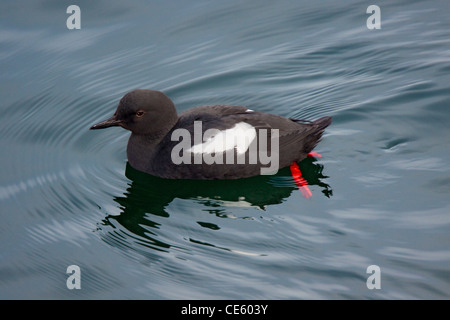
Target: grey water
point(380, 191)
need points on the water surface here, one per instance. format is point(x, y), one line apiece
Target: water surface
point(380, 191)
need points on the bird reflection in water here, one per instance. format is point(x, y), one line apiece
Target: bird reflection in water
point(148, 196)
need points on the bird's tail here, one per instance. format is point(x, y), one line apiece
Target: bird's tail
point(317, 128)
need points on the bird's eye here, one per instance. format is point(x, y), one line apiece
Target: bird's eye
point(140, 113)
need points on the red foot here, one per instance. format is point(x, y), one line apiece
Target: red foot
point(315, 155)
point(300, 181)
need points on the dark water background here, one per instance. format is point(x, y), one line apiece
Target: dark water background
point(380, 191)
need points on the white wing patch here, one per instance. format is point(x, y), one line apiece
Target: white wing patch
point(240, 137)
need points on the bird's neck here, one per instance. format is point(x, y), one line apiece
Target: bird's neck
point(141, 149)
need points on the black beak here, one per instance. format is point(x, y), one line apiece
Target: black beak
point(111, 122)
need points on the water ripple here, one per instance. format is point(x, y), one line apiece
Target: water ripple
point(68, 195)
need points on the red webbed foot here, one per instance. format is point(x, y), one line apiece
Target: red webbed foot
point(314, 155)
point(300, 181)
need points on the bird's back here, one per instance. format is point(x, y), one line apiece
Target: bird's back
point(295, 139)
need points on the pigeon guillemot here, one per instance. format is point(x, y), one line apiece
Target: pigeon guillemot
point(210, 142)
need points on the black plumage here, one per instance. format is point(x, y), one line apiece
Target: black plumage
point(152, 118)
